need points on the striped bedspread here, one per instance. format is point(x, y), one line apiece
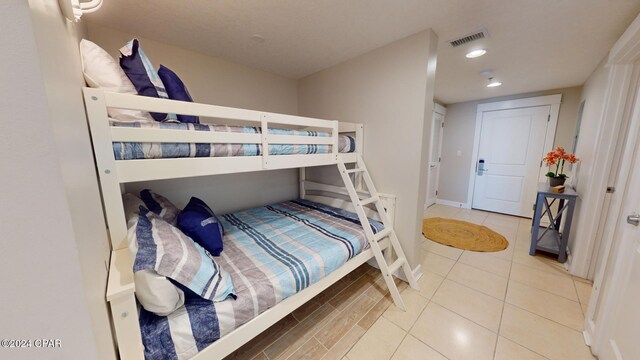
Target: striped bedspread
point(271, 252)
point(146, 150)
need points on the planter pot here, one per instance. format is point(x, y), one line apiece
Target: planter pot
point(556, 181)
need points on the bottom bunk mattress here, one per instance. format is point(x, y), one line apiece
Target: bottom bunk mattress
point(271, 252)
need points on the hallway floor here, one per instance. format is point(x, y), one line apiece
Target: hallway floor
point(502, 305)
point(505, 305)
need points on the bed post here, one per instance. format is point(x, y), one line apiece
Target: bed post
point(124, 309)
point(360, 139)
point(335, 133)
point(360, 151)
point(302, 177)
point(264, 131)
point(120, 285)
point(106, 167)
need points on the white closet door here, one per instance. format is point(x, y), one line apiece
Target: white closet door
point(434, 158)
point(624, 326)
point(509, 154)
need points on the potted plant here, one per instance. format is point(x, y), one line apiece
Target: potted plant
point(558, 157)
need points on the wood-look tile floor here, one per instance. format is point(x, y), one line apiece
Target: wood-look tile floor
point(503, 305)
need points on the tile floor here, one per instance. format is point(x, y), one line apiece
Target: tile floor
point(504, 306)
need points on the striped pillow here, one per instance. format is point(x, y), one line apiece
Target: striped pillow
point(144, 77)
point(166, 250)
point(160, 205)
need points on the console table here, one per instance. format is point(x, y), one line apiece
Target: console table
point(552, 239)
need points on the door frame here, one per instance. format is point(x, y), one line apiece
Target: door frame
point(441, 110)
point(553, 101)
point(620, 96)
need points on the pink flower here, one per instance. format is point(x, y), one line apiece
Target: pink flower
point(550, 159)
point(572, 159)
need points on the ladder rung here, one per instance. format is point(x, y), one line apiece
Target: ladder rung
point(351, 171)
point(368, 201)
point(382, 234)
point(396, 265)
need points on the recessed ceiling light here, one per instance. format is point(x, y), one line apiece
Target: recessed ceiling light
point(257, 38)
point(493, 82)
point(476, 53)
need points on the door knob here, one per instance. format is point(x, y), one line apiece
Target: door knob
point(633, 219)
point(432, 166)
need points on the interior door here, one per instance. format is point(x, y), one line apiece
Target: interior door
point(625, 324)
point(434, 158)
point(509, 154)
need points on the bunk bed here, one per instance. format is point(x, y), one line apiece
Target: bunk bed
point(253, 141)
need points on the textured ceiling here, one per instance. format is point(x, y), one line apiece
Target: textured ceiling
point(533, 45)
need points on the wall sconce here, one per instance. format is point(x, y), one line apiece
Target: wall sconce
point(73, 9)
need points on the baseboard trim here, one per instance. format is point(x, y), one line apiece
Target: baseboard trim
point(588, 332)
point(567, 264)
point(453, 203)
point(587, 338)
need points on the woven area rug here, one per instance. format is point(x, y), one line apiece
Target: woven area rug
point(463, 235)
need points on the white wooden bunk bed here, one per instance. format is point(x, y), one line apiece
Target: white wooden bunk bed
point(365, 201)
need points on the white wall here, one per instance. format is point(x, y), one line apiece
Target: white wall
point(459, 130)
point(593, 94)
point(209, 79)
point(594, 97)
point(390, 90)
point(216, 81)
point(43, 292)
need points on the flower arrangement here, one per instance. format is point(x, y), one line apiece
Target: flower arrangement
point(559, 157)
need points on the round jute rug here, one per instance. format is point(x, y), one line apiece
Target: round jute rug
point(463, 235)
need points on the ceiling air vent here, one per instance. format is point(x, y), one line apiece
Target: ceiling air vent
point(469, 38)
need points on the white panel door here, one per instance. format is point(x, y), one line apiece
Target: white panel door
point(509, 154)
point(624, 328)
point(434, 158)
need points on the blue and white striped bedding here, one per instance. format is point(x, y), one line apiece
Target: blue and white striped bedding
point(271, 252)
point(146, 150)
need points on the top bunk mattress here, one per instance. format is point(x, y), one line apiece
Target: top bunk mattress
point(149, 150)
point(271, 253)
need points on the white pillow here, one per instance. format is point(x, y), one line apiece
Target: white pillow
point(157, 294)
point(102, 71)
point(154, 292)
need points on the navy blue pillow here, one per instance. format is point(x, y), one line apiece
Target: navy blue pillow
point(176, 91)
point(199, 222)
point(139, 70)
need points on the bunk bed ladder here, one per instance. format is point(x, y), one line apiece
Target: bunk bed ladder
point(386, 268)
